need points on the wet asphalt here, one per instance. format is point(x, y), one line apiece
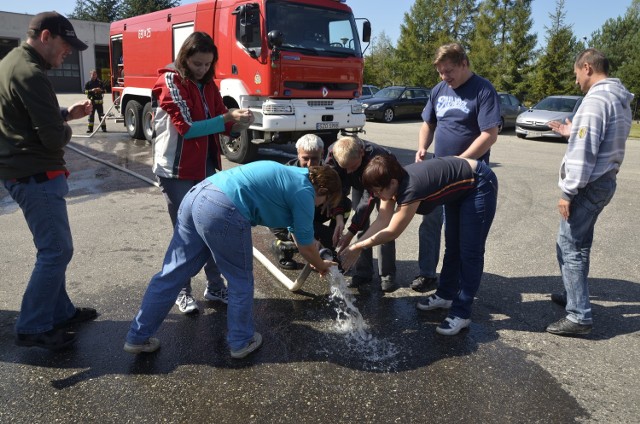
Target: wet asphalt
point(503, 369)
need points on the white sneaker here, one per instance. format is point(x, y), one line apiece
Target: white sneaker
point(221, 295)
point(434, 302)
point(186, 303)
point(452, 326)
point(254, 344)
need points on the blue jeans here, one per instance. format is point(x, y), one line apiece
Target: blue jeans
point(573, 247)
point(429, 234)
point(45, 301)
point(386, 252)
point(467, 224)
point(174, 191)
point(208, 223)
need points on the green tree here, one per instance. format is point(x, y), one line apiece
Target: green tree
point(519, 50)
point(488, 39)
point(132, 8)
point(379, 64)
point(96, 10)
point(429, 24)
point(619, 40)
point(553, 73)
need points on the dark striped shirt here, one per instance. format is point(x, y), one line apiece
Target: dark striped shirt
point(435, 182)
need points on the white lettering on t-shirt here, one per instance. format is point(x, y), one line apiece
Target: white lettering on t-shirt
point(446, 103)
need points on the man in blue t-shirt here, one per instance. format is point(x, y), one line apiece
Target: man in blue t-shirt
point(462, 115)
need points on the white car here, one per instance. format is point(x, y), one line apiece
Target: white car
point(533, 122)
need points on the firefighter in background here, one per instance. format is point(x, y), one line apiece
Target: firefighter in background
point(94, 88)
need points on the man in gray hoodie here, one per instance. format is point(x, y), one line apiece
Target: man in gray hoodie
point(597, 138)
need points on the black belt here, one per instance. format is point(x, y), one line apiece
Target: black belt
point(40, 177)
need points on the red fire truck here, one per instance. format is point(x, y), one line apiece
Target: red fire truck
point(296, 64)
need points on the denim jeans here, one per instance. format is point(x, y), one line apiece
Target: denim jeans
point(208, 223)
point(429, 234)
point(467, 224)
point(573, 247)
point(45, 301)
point(174, 191)
point(386, 252)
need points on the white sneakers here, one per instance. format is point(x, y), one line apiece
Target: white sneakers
point(253, 345)
point(221, 295)
point(186, 303)
point(451, 325)
point(434, 302)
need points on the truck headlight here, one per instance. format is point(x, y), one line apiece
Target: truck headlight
point(357, 108)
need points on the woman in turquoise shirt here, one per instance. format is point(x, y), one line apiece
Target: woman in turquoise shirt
point(215, 218)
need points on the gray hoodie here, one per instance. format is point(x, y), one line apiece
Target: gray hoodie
point(599, 132)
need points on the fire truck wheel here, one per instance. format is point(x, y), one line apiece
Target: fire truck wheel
point(147, 122)
point(239, 149)
point(133, 119)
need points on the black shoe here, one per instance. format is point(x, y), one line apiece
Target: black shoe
point(422, 284)
point(89, 131)
point(104, 129)
point(565, 327)
point(53, 339)
point(357, 281)
point(559, 299)
point(388, 285)
point(283, 252)
point(81, 315)
point(286, 263)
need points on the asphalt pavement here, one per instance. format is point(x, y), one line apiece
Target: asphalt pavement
point(312, 367)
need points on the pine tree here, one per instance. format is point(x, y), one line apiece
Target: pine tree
point(519, 50)
point(379, 65)
point(132, 8)
point(502, 47)
point(428, 25)
point(96, 10)
point(619, 40)
point(553, 73)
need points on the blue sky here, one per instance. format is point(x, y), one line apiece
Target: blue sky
point(584, 15)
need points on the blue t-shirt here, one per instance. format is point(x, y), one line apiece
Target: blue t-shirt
point(460, 115)
point(271, 194)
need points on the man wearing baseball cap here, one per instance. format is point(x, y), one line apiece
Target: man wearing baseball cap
point(33, 133)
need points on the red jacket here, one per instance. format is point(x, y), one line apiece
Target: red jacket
point(180, 103)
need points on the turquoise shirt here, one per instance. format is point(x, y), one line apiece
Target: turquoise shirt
point(271, 194)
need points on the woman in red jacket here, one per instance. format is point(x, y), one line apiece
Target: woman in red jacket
point(186, 149)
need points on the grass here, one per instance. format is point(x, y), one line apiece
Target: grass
point(635, 130)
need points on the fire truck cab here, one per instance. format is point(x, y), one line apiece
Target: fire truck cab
point(296, 64)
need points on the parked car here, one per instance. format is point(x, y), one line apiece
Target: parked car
point(533, 122)
point(396, 101)
point(510, 108)
point(368, 91)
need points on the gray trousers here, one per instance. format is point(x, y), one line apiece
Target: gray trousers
point(386, 252)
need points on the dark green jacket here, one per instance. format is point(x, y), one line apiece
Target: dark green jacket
point(32, 131)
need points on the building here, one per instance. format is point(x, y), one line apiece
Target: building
point(75, 70)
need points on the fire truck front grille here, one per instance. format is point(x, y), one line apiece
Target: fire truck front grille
point(331, 86)
point(320, 103)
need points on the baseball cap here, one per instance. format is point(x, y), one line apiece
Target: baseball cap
point(57, 25)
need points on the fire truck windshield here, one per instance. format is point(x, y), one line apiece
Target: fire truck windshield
point(314, 30)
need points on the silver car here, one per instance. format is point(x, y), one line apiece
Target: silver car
point(533, 122)
point(510, 108)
